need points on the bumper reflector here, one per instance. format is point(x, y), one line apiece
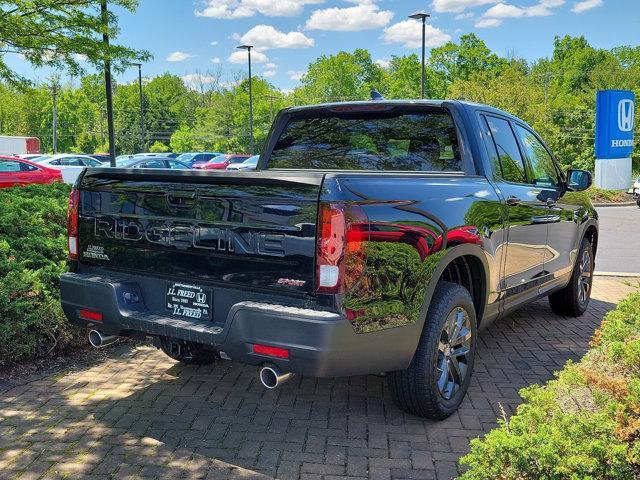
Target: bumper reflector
point(270, 351)
point(89, 315)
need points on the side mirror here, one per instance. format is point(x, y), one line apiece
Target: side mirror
point(578, 180)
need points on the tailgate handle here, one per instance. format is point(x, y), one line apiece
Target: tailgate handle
point(181, 200)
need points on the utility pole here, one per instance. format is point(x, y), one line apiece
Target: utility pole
point(107, 82)
point(248, 49)
point(422, 16)
point(142, 134)
point(54, 93)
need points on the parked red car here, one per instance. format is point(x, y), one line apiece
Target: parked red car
point(16, 171)
point(221, 162)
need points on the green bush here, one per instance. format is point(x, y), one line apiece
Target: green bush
point(585, 424)
point(32, 257)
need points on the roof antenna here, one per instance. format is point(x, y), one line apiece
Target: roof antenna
point(376, 95)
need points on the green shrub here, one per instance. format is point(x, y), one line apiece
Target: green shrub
point(32, 257)
point(585, 424)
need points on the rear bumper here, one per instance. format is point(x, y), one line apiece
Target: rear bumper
point(320, 343)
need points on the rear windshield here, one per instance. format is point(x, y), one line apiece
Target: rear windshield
point(395, 140)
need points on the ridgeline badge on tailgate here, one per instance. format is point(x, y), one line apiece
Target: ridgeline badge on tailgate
point(197, 236)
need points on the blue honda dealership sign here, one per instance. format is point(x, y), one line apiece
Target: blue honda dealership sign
point(614, 124)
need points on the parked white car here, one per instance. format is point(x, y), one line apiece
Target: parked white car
point(70, 164)
point(249, 164)
point(636, 190)
point(66, 160)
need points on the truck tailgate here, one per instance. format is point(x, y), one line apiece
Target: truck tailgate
point(250, 229)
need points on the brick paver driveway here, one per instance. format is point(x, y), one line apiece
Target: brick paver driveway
point(140, 415)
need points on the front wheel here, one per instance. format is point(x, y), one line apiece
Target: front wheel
point(638, 201)
point(573, 299)
point(434, 384)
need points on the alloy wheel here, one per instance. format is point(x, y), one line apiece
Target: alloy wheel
point(454, 349)
point(584, 278)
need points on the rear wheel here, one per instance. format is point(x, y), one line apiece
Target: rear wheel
point(434, 384)
point(188, 352)
point(638, 201)
point(573, 299)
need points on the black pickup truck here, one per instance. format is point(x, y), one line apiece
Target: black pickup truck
point(375, 237)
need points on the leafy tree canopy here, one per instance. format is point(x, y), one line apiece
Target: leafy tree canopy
point(61, 34)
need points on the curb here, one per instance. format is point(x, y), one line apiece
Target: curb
point(616, 274)
point(623, 204)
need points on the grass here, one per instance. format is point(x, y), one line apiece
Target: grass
point(601, 195)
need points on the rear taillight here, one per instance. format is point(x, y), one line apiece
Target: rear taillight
point(72, 224)
point(341, 231)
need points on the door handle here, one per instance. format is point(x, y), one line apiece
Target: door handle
point(513, 201)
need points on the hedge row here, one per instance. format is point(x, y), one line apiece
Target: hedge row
point(32, 257)
point(585, 424)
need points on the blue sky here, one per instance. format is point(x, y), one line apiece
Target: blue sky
point(190, 37)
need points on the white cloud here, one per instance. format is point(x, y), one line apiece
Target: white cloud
point(269, 73)
point(215, 60)
point(409, 33)
point(585, 5)
point(264, 37)
point(296, 74)
point(457, 6)
point(247, 8)
point(505, 10)
point(80, 57)
point(365, 16)
point(178, 57)
point(488, 23)
point(464, 16)
point(193, 80)
point(240, 57)
point(382, 63)
point(214, 43)
point(271, 66)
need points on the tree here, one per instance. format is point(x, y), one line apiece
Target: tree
point(459, 61)
point(61, 34)
point(402, 79)
point(343, 76)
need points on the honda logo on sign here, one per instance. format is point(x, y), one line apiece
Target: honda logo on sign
point(625, 115)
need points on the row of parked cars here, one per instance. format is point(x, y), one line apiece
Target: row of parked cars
point(37, 168)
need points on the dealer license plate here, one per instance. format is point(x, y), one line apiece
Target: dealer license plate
point(189, 301)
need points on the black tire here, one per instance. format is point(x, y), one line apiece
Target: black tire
point(417, 390)
point(188, 352)
point(573, 299)
point(638, 201)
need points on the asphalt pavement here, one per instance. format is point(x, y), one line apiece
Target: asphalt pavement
point(619, 240)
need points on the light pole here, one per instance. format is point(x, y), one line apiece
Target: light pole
point(54, 93)
point(423, 17)
point(142, 135)
point(248, 49)
point(107, 82)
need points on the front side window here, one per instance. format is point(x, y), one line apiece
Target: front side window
point(506, 149)
point(177, 165)
point(543, 170)
point(398, 139)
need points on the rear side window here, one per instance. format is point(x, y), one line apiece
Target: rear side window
point(10, 166)
point(506, 150)
point(395, 140)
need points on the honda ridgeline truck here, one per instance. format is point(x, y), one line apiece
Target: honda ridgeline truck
point(374, 237)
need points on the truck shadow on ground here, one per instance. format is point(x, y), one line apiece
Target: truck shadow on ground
point(142, 414)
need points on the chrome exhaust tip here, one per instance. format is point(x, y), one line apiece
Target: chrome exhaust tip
point(98, 339)
point(271, 376)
